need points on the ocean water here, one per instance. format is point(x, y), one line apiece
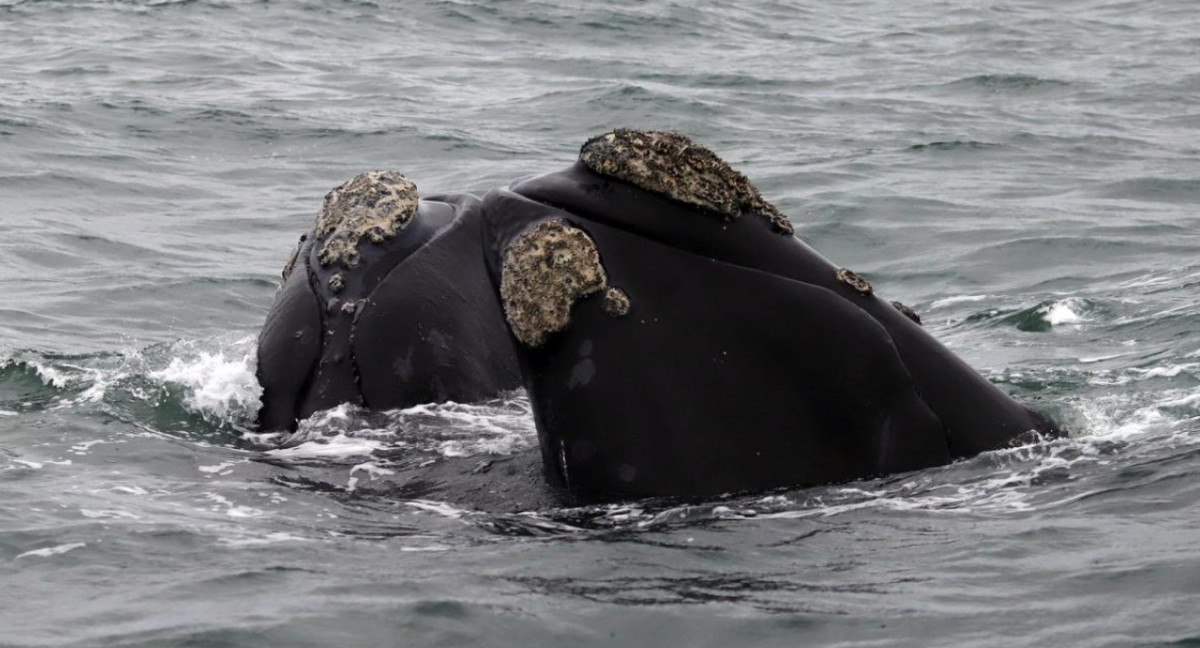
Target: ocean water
point(1025, 174)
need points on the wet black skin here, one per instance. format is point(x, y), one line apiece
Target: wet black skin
point(743, 364)
point(416, 322)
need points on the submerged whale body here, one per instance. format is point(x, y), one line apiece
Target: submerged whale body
point(385, 304)
point(675, 338)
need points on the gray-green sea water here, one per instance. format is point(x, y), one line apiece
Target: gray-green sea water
point(1024, 174)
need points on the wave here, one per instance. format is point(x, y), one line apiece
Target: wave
point(1182, 191)
point(954, 145)
point(1004, 83)
point(204, 387)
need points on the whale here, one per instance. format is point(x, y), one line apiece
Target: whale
point(385, 303)
point(676, 338)
point(673, 334)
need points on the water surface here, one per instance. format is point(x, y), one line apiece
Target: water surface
point(1023, 174)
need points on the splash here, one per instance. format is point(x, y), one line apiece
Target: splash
point(1063, 311)
point(88, 384)
point(220, 384)
point(498, 427)
point(213, 377)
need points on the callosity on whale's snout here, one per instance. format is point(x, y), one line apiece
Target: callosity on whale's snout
point(677, 339)
point(386, 303)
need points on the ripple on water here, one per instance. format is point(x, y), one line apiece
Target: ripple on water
point(1018, 172)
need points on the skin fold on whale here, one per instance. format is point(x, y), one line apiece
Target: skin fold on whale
point(385, 304)
point(676, 338)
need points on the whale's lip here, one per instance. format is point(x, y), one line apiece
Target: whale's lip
point(672, 164)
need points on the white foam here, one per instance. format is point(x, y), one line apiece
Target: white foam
point(82, 447)
point(1005, 492)
point(70, 376)
point(109, 514)
point(219, 468)
point(325, 435)
point(51, 376)
point(38, 465)
point(371, 468)
point(1184, 400)
point(451, 429)
point(130, 490)
point(1009, 487)
point(216, 384)
point(948, 301)
point(500, 428)
point(52, 551)
point(1150, 280)
point(443, 509)
point(1101, 358)
point(233, 510)
point(470, 447)
point(1063, 311)
point(219, 383)
point(337, 446)
point(101, 381)
point(270, 538)
point(264, 438)
point(334, 416)
point(1167, 371)
point(1116, 418)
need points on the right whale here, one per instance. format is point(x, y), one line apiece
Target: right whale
point(384, 304)
point(676, 338)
